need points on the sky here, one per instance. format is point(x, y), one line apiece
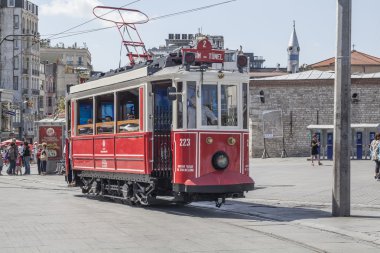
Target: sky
point(259, 26)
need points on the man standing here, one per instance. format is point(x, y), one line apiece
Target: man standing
point(12, 156)
point(26, 158)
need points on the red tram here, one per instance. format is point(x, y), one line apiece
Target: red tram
point(174, 127)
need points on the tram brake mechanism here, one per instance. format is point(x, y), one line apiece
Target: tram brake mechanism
point(219, 202)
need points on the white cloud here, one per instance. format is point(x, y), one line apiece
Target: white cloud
point(71, 8)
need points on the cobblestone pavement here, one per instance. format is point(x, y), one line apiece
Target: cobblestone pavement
point(288, 212)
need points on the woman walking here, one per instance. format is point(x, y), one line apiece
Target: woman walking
point(375, 154)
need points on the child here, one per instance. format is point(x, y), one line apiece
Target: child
point(18, 164)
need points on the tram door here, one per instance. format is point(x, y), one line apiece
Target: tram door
point(162, 113)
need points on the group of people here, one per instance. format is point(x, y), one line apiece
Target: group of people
point(20, 156)
point(375, 154)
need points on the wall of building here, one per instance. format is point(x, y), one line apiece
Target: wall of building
point(303, 103)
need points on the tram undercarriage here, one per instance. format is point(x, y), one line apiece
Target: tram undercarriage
point(142, 189)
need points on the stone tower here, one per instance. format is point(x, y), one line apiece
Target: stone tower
point(293, 52)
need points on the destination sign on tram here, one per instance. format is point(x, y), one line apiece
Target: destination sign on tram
point(204, 52)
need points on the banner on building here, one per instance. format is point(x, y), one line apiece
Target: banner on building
point(52, 136)
point(272, 124)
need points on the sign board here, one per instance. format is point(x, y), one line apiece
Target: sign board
point(272, 124)
point(52, 136)
point(7, 112)
point(204, 52)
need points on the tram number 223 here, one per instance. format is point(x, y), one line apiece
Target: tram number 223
point(184, 142)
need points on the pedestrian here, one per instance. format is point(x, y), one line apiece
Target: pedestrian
point(12, 156)
point(26, 160)
point(375, 154)
point(35, 149)
point(314, 150)
point(18, 170)
point(21, 149)
point(44, 158)
point(38, 155)
point(1, 160)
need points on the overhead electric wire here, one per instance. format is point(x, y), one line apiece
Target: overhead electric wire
point(88, 21)
point(104, 28)
point(154, 18)
point(12, 58)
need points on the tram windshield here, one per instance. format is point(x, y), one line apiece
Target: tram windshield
point(219, 105)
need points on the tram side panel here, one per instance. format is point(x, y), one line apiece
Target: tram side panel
point(125, 153)
point(83, 153)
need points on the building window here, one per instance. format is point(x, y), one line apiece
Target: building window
point(80, 61)
point(50, 101)
point(15, 44)
point(69, 60)
point(16, 21)
point(11, 3)
point(15, 62)
point(171, 36)
point(15, 83)
point(178, 36)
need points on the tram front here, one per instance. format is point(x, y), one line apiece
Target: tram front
point(210, 134)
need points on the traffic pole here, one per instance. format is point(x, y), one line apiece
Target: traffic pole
point(342, 112)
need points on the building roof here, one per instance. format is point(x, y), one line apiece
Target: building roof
point(311, 74)
point(353, 125)
point(357, 58)
point(316, 75)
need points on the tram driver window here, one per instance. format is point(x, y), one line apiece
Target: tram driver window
point(85, 116)
point(191, 105)
point(229, 105)
point(105, 114)
point(128, 111)
point(209, 109)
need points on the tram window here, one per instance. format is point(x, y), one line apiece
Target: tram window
point(209, 108)
point(104, 114)
point(85, 116)
point(128, 111)
point(229, 105)
point(179, 106)
point(191, 105)
point(245, 106)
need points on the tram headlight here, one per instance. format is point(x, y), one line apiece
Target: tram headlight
point(189, 58)
point(231, 141)
point(220, 160)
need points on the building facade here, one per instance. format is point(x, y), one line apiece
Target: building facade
point(307, 99)
point(20, 62)
point(64, 66)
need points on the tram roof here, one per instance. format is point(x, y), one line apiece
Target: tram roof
point(149, 72)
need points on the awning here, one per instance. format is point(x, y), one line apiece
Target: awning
point(355, 125)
